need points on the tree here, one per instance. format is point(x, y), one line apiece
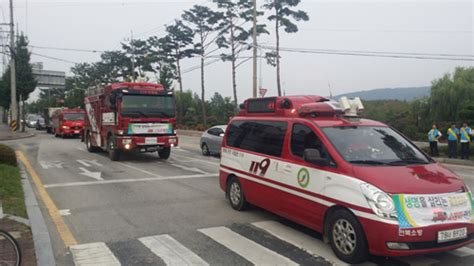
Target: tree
point(173, 48)
point(282, 16)
point(232, 34)
point(202, 21)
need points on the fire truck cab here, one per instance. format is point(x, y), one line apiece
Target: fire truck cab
point(125, 117)
point(67, 122)
point(362, 184)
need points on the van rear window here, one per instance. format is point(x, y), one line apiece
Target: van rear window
point(265, 137)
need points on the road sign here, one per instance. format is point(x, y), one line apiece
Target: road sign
point(262, 92)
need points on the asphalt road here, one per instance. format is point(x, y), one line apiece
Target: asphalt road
point(143, 210)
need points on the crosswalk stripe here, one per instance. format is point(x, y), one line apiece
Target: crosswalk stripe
point(246, 248)
point(303, 241)
point(171, 251)
point(93, 254)
point(462, 252)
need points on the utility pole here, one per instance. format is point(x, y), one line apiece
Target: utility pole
point(133, 56)
point(13, 104)
point(254, 37)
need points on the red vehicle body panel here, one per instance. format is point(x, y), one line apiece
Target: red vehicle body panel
point(63, 127)
point(98, 105)
point(280, 198)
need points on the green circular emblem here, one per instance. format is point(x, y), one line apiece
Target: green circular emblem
point(303, 177)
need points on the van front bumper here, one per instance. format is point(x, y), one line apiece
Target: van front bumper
point(421, 240)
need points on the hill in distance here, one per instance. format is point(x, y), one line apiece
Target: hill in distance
point(402, 94)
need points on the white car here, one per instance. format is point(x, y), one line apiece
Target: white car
point(211, 140)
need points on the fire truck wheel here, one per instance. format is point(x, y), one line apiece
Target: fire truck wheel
point(205, 149)
point(89, 146)
point(347, 238)
point(164, 153)
point(235, 194)
point(114, 154)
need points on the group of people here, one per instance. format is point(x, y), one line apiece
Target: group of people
point(455, 135)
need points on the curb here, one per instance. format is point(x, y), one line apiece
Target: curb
point(455, 161)
point(191, 133)
point(22, 137)
point(42, 241)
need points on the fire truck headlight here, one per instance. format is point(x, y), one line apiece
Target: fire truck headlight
point(127, 146)
point(119, 132)
point(66, 127)
point(126, 141)
point(380, 203)
point(172, 140)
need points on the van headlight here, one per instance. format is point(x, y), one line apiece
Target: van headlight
point(380, 202)
point(66, 127)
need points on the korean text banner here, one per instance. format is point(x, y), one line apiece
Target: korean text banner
point(150, 128)
point(423, 210)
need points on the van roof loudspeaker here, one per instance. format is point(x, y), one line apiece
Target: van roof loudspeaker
point(351, 107)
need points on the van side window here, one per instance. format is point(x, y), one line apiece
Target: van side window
point(303, 137)
point(265, 137)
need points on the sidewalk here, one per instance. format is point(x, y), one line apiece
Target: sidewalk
point(23, 236)
point(6, 134)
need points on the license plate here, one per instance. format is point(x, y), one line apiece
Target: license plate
point(76, 131)
point(151, 140)
point(450, 235)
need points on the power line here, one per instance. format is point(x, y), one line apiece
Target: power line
point(67, 49)
point(55, 58)
point(422, 56)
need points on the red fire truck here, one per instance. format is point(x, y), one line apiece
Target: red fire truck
point(67, 122)
point(131, 116)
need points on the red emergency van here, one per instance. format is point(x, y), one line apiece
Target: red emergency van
point(364, 185)
point(67, 122)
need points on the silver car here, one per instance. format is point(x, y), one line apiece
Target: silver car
point(211, 140)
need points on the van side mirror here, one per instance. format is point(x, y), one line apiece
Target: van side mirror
point(314, 156)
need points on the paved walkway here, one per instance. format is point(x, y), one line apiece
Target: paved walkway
point(6, 134)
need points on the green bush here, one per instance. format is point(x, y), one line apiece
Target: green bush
point(11, 191)
point(7, 155)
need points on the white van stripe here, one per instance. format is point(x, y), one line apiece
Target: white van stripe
point(303, 241)
point(308, 197)
point(462, 252)
point(246, 248)
point(171, 251)
point(93, 254)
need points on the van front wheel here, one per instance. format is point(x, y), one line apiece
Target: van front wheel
point(236, 195)
point(347, 237)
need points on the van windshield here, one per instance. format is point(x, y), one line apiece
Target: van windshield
point(374, 146)
point(73, 116)
point(147, 106)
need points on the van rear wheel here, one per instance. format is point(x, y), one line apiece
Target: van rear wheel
point(236, 196)
point(347, 238)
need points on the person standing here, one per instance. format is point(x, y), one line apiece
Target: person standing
point(453, 137)
point(433, 137)
point(465, 139)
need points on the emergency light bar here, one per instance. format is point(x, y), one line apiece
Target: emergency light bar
point(351, 107)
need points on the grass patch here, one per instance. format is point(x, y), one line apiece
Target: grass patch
point(11, 191)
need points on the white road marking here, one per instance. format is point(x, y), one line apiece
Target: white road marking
point(303, 241)
point(462, 252)
point(52, 164)
point(130, 180)
point(89, 163)
point(1, 210)
point(171, 251)
point(139, 169)
point(191, 159)
point(93, 254)
point(65, 212)
point(246, 248)
point(418, 260)
point(95, 175)
point(192, 169)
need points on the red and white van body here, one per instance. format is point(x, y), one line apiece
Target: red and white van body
point(68, 122)
point(272, 183)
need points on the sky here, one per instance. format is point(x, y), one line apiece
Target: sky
point(418, 26)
